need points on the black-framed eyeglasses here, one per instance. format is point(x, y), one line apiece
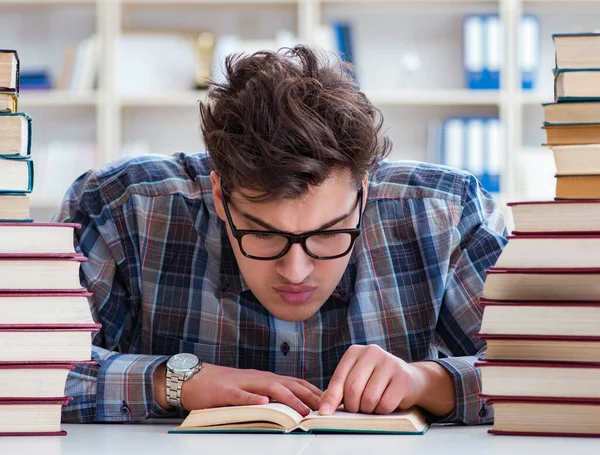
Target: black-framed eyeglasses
point(264, 245)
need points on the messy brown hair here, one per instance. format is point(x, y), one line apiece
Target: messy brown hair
point(283, 121)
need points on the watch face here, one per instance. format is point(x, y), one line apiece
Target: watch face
point(182, 362)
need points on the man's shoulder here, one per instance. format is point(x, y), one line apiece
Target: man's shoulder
point(406, 179)
point(149, 175)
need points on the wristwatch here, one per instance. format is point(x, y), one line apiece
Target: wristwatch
point(180, 368)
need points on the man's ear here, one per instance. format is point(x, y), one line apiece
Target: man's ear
point(217, 192)
point(365, 184)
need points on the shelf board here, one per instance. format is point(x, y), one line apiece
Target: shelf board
point(174, 99)
point(56, 98)
point(566, 2)
point(208, 2)
point(456, 97)
point(391, 2)
point(378, 97)
point(48, 2)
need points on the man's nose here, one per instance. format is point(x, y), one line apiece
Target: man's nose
point(296, 265)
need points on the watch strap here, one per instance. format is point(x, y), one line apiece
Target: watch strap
point(174, 385)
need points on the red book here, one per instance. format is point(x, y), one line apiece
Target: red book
point(27, 381)
point(35, 309)
point(542, 348)
point(564, 216)
point(578, 319)
point(39, 417)
point(40, 274)
point(66, 344)
point(37, 238)
point(551, 250)
point(529, 416)
point(540, 379)
point(575, 284)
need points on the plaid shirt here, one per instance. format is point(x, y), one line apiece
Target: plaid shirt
point(165, 281)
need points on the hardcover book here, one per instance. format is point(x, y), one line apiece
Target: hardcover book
point(16, 176)
point(8, 102)
point(566, 380)
point(15, 207)
point(552, 318)
point(48, 343)
point(37, 417)
point(35, 309)
point(524, 416)
point(58, 273)
point(542, 284)
point(9, 71)
point(571, 112)
point(279, 418)
point(15, 135)
point(577, 50)
point(577, 84)
point(551, 251)
point(37, 238)
point(541, 348)
point(26, 381)
point(564, 216)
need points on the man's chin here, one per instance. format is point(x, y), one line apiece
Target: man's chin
point(293, 313)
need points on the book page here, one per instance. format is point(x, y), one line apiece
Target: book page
point(240, 416)
point(284, 409)
point(402, 421)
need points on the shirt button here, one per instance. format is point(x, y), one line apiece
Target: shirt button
point(124, 409)
point(285, 348)
point(483, 412)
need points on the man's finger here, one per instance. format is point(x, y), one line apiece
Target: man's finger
point(284, 395)
point(374, 390)
point(306, 395)
point(239, 397)
point(391, 398)
point(313, 388)
point(356, 383)
point(331, 399)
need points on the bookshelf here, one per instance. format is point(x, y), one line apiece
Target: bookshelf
point(385, 30)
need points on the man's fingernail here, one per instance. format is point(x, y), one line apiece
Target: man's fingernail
point(325, 409)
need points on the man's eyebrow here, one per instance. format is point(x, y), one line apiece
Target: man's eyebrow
point(273, 228)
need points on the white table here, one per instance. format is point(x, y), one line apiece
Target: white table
point(152, 439)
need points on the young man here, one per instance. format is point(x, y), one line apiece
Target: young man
point(289, 261)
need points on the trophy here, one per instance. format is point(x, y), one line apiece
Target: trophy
point(204, 45)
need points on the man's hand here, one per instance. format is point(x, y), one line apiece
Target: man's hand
point(215, 386)
point(371, 380)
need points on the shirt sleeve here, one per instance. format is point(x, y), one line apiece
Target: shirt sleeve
point(480, 238)
point(119, 388)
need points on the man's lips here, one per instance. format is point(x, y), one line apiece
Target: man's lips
point(295, 294)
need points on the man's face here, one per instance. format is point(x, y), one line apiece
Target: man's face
point(295, 286)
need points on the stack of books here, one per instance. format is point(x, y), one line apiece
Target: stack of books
point(541, 300)
point(45, 321)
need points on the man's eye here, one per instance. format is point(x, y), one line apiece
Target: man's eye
point(328, 236)
point(263, 236)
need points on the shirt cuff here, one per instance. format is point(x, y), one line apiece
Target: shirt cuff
point(469, 409)
point(126, 388)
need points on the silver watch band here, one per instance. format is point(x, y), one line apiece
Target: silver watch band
point(174, 384)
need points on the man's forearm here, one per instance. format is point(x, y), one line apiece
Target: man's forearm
point(437, 391)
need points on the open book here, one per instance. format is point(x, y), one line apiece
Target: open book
point(279, 418)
